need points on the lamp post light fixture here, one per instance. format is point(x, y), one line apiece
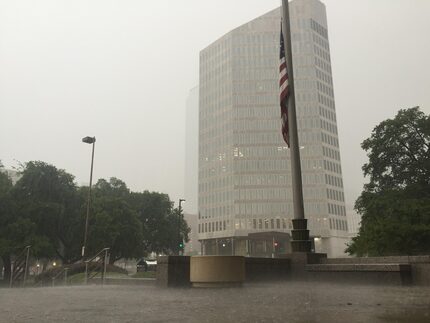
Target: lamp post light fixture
point(88, 140)
point(181, 243)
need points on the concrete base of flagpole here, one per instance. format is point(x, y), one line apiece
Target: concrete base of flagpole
point(300, 236)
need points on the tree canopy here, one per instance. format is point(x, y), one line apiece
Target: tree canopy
point(395, 204)
point(47, 210)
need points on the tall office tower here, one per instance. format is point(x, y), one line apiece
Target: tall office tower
point(245, 193)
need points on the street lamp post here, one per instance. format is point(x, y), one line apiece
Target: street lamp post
point(88, 140)
point(179, 226)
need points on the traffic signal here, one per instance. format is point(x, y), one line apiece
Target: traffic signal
point(181, 245)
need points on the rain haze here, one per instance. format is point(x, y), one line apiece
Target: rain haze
point(122, 71)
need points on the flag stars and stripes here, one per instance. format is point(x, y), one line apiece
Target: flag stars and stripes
point(283, 90)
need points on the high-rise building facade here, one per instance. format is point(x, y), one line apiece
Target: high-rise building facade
point(244, 167)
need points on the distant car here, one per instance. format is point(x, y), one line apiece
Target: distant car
point(152, 264)
point(141, 265)
point(146, 265)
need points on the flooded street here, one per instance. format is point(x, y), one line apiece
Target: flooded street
point(282, 302)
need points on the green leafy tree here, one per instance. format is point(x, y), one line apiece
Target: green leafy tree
point(47, 197)
point(162, 226)
point(395, 204)
point(16, 232)
point(6, 242)
point(114, 223)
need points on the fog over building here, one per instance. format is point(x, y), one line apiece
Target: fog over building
point(191, 151)
point(244, 167)
point(192, 247)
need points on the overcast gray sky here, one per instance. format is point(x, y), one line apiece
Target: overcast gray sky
point(122, 70)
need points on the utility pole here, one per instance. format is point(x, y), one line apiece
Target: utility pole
point(88, 140)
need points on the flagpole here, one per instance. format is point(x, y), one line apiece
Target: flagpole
point(300, 234)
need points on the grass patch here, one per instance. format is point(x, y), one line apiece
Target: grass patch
point(80, 277)
point(144, 274)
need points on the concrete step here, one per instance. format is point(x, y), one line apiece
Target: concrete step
point(394, 267)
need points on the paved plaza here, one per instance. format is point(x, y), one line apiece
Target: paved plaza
point(281, 302)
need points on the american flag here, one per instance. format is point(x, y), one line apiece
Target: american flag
point(283, 90)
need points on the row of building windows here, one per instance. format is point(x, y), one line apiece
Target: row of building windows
point(328, 126)
point(331, 153)
point(332, 166)
point(209, 145)
point(256, 112)
point(215, 75)
point(323, 76)
point(276, 206)
point(308, 123)
point(261, 207)
point(325, 100)
point(300, 48)
point(214, 171)
point(247, 87)
point(220, 64)
point(251, 99)
point(278, 193)
point(214, 102)
point(319, 29)
point(260, 194)
point(255, 38)
point(305, 96)
point(261, 179)
point(320, 41)
point(336, 224)
point(216, 212)
point(260, 224)
point(215, 70)
point(215, 197)
point(255, 62)
point(327, 114)
point(214, 122)
point(336, 209)
point(272, 137)
point(306, 110)
point(265, 194)
point(333, 180)
point(335, 195)
point(212, 226)
point(255, 124)
point(260, 165)
point(328, 139)
point(327, 90)
point(323, 59)
point(255, 74)
point(303, 60)
point(252, 224)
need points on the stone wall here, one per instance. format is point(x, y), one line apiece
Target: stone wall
point(173, 271)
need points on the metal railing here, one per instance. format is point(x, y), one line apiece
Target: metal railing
point(97, 265)
point(20, 267)
point(62, 272)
